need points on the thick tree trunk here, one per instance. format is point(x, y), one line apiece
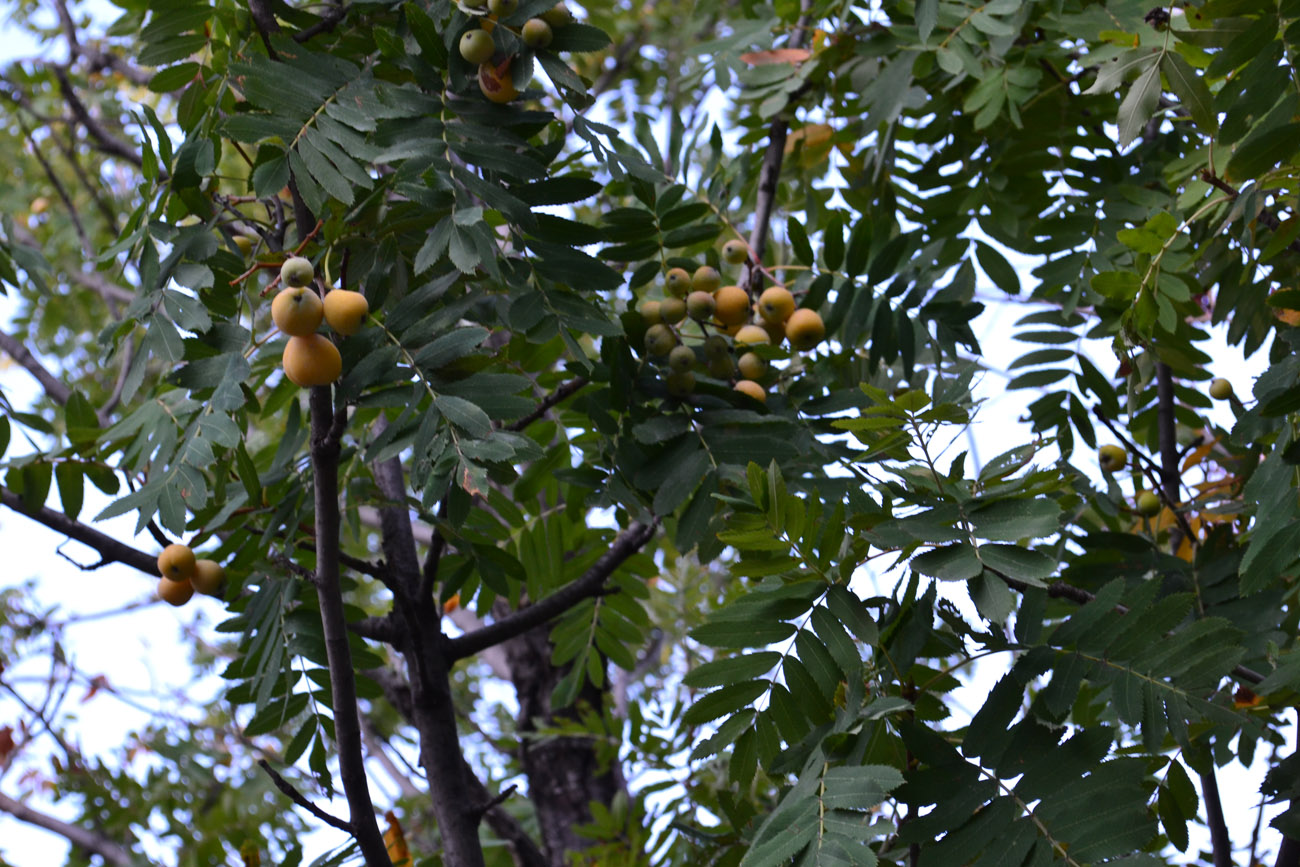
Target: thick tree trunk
point(564, 773)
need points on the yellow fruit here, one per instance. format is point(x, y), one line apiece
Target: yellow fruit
point(312, 360)
point(732, 305)
point(752, 335)
point(176, 563)
point(1220, 389)
point(297, 311)
point(672, 310)
point(495, 82)
point(676, 282)
point(208, 575)
point(650, 314)
point(537, 33)
point(1112, 458)
point(776, 304)
point(297, 271)
point(735, 251)
point(805, 329)
point(175, 592)
point(700, 306)
point(40, 205)
point(706, 279)
point(751, 366)
point(1148, 504)
point(244, 243)
point(345, 310)
point(659, 340)
point(476, 46)
point(751, 388)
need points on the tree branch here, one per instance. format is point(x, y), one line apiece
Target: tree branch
point(294, 795)
point(769, 174)
point(591, 583)
point(109, 548)
point(105, 141)
point(1265, 216)
point(91, 842)
point(347, 726)
point(560, 393)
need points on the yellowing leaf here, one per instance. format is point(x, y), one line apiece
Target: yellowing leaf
point(776, 55)
point(395, 840)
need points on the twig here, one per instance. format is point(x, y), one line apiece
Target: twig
point(108, 547)
point(326, 24)
point(83, 838)
point(590, 584)
point(294, 795)
point(561, 392)
point(769, 174)
point(106, 141)
point(1265, 216)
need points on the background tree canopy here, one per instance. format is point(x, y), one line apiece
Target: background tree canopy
point(715, 607)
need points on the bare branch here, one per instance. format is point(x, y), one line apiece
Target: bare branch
point(590, 584)
point(104, 140)
point(560, 393)
point(82, 838)
point(294, 795)
point(326, 24)
point(18, 351)
point(109, 548)
point(347, 727)
point(769, 174)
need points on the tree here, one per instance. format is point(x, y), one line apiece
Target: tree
point(665, 569)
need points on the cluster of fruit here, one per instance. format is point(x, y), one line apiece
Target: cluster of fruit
point(478, 46)
point(182, 574)
point(1113, 458)
point(311, 358)
point(724, 317)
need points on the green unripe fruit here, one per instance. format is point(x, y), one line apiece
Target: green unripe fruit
point(558, 16)
point(1220, 389)
point(537, 33)
point(650, 314)
point(673, 310)
point(1148, 504)
point(680, 383)
point(476, 46)
point(677, 282)
point(297, 271)
point(751, 366)
point(659, 340)
point(503, 8)
point(706, 279)
point(700, 305)
point(716, 346)
point(681, 358)
point(735, 251)
point(1112, 458)
point(721, 367)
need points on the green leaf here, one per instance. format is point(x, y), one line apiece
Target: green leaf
point(1140, 102)
point(1259, 154)
point(71, 491)
point(724, 702)
point(681, 482)
point(1191, 89)
point(732, 669)
point(736, 634)
point(998, 268)
point(464, 414)
point(1021, 564)
point(1013, 520)
point(957, 562)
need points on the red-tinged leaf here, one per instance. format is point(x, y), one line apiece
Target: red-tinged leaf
point(776, 55)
